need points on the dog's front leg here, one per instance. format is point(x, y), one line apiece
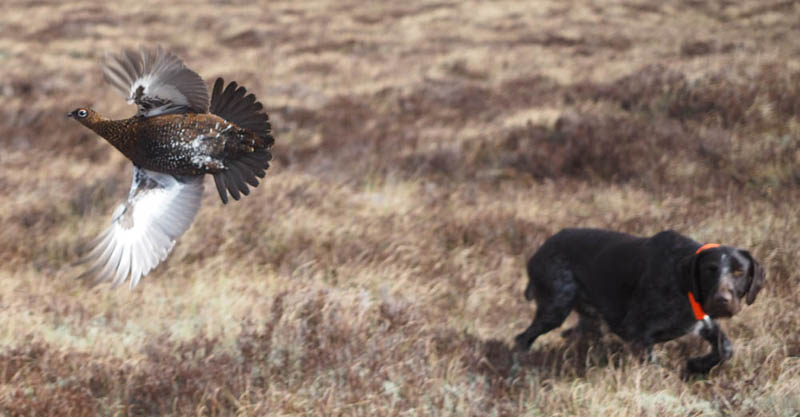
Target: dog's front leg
point(721, 348)
point(642, 350)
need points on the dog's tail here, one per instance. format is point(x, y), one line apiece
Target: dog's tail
point(529, 290)
point(533, 272)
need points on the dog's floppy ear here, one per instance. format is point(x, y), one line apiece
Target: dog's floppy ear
point(687, 268)
point(755, 277)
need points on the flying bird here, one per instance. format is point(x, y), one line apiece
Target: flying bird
point(173, 140)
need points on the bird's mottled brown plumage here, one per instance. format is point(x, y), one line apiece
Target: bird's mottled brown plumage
point(179, 144)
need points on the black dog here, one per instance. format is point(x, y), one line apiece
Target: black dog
point(648, 290)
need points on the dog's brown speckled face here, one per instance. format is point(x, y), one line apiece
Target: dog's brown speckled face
point(722, 277)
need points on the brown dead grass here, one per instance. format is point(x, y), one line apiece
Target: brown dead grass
point(424, 150)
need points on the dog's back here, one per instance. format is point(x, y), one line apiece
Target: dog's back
point(572, 252)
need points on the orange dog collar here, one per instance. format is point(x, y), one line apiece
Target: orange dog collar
point(699, 314)
point(707, 246)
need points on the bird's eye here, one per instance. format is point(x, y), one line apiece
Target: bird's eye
point(82, 113)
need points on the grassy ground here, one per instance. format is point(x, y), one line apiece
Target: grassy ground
point(424, 150)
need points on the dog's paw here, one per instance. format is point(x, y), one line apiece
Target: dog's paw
point(700, 365)
point(522, 342)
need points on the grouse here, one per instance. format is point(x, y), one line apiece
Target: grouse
point(175, 138)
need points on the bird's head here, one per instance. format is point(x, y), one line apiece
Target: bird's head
point(84, 116)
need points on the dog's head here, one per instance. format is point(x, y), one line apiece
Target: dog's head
point(720, 277)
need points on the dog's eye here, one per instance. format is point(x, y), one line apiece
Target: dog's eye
point(712, 269)
point(737, 270)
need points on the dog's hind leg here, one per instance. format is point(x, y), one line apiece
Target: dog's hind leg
point(589, 322)
point(588, 327)
point(555, 297)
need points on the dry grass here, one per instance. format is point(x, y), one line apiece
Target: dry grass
point(424, 150)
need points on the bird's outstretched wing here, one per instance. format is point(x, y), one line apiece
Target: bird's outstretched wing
point(159, 209)
point(157, 81)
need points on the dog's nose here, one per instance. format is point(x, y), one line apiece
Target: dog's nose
point(723, 297)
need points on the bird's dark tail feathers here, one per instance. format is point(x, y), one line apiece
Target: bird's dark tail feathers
point(234, 105)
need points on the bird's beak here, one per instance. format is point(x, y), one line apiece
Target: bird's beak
point(69, 115)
